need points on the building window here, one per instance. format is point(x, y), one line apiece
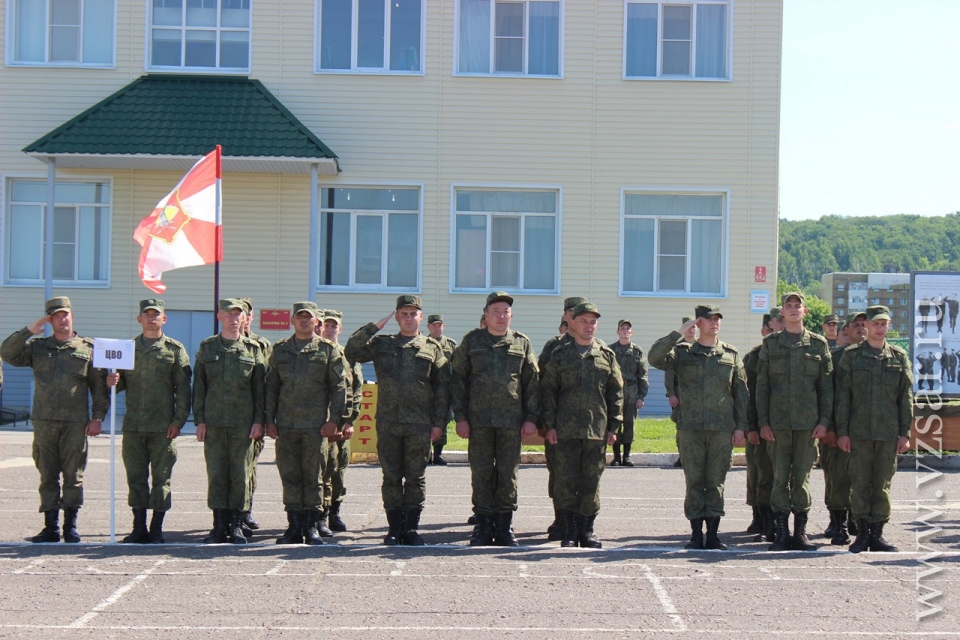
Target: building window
point(903, 301)
point(889, 301)
point(370, 35)
point(81, 232)
point(669, 40)
point(840, 313)
point(62, 32)
point(370, 238)
point(839, 301)
point(841, 286)
point(874, 300)
point(506, 239)
point(673, 244)
point(509, 38)
point(200, 34)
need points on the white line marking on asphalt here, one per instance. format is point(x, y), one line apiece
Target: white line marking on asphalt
point(82, 621)
point(772, 575)
point(523, 571)
point(273, 571)
point(396, 572)
point(12, 463)
point(32, 565)
point(665, 600)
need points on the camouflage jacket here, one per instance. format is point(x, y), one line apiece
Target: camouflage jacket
point(158, 388)
point(495, 380)
point(750, 362)
point(548, 348)
point(794, 385)
point(413, 379)
point(306, 388)
point(265, 345)
point(354, 391)
point(711, 382)
point(633, 367)
point(64, 376)
point(582, 395)
point(448, 345)
point(874, 399)
point(228, 383)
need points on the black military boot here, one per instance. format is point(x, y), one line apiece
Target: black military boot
point(877, 543)
point(852, 527)
point(627, 462)
point(588, 539)
point(139, 535)
point(294, 532)
point(696, 537)
point(247, 522)
point(571, 528)
point(310, 519)
point(713, 540)
point(218, 535)
point(336, 523)
point(411, 522)
point(756, 525)
point(234, 527)
point(831, 529)
point(555, 530)
point(437, 457)
point(781, 540)
point(322, 527)
point(155, 534)
point(395, 522)
point(503, 530)
point(840, 535)
point(800, 541)
point(51, 527)
point(616, 456)
point(862, 543)
point(769, 525)
point(483, 532)
point(70, 524)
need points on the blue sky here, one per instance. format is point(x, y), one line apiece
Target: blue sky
point(870, 111)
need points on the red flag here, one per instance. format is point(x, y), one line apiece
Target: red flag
point(184, 229)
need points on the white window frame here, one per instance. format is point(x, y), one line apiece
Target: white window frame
point(5, 181)
point(728, 77)
point(504, 187)
point(12, 17)
point(354, 26)
point(217, 69)
point(724, 242)
point(351, 285)
point(493, 39)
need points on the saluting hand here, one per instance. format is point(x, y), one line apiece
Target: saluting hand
point(382, 323)
point(37, 327)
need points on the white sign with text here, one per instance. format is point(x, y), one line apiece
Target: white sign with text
point(113, 354)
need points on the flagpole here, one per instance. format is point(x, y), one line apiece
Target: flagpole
point(218, 249)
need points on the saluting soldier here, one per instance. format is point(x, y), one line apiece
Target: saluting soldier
point(794, 407)
point(158, 405)
point(633, 368)
point(305, 403)
point(246, 516)
point(435, 326)
point(712, 416)
point(413, 405)
point(874, 411)
point(582, 393)
point(495, 395)
point(228, 404)
point(62, 415)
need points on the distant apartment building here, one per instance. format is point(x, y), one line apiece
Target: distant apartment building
point(852, 292)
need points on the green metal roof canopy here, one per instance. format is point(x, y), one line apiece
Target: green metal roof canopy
point(166, 122)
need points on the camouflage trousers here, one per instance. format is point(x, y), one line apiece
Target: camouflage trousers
point(148, 455)
point(872, 465)
point(630, 396)
point(60, 449)
point(793, 454)
point(301, 457)
point(707, 456)
point(578, 465)
point(228, 452)
point(549, 454)
point(836, 477)
point(335, 471)
point(255, 460)
point(403, 450)
point(494, 465)
point(759, 474)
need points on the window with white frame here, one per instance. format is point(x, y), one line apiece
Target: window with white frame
point(200, 34)
point(81, 232)
point(673, 243)
point(370, 238)
point(370, 35)
point(513, 37)
point(505, 239)
point(667, 39)
point(62, 32)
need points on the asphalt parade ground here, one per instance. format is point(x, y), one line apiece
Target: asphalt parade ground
point(641, 584)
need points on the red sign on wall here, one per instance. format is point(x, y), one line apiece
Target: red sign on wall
point(759, 274)
point(275, 319)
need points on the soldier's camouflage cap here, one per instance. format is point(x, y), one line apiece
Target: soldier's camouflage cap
point(830, 317)
point(499, 296)
point(409, 301)
point(151, 303)
point(685, 319)
point(620, 323)
point(571, 303)
point(854, 317)
point(585, 307)
point(774, 313)
point(434, 318)
point(247, 303)
point(790, 294)
point(226, 304)
point(308, 306)
point(766, 320)
point(60, 303)
point(878, 312)
point(707, 311)
point(333, 314)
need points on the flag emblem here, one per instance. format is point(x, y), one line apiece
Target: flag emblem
point(170, 220)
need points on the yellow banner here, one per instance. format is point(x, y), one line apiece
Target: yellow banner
point(365, 428)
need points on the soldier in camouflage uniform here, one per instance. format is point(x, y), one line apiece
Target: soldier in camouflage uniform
point(874, 411)
point(413, 404)
point(228, 403)
point(246, 516)
point(582, 398)
point(712, 416)
point(65, 381)
point(633, 368)
point(495, 396)
point(338, 454)
point(555, 530)
point(435, 327)
point(830, 325)
point(158, 405)
point(306, 401)
point(794, 407)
